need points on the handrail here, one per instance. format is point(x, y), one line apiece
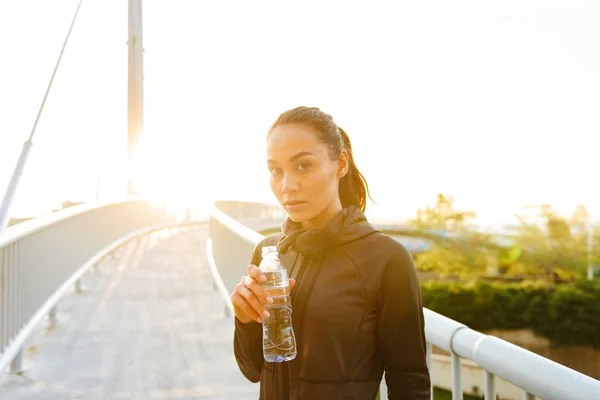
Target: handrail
point(217, 278)
point(240, 229)
point(18, 342)
point(499, 357)
point(27, 228)
point(534, 374)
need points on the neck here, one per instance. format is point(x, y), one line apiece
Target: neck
point(324, 217)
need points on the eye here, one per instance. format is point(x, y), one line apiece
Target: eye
point(275, 171)
point(303, 166)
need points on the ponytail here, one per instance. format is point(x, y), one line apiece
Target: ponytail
point(353, 187)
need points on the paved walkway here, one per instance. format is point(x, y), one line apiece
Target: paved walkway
point(149, 325)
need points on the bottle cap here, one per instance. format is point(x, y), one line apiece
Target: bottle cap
point(269, 250)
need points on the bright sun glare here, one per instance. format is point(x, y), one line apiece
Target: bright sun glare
point(487, 104)
point(162, 175)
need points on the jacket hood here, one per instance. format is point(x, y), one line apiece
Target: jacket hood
point(348, 225)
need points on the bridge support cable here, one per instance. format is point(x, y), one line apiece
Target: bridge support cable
point(13, 183)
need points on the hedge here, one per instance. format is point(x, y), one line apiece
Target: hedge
point(566, 314)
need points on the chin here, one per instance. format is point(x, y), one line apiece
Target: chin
point(299, 216)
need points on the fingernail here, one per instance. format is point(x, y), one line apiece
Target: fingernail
point(259, 320)
point(266, 314)
point(263, 278)
point(269, 300)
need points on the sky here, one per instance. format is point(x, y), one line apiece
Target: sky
point(493, 103)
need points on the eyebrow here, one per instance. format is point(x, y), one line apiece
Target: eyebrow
point(294, 157)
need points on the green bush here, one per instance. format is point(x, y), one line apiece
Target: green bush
point(566, 314)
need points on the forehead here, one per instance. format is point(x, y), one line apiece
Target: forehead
point(287, 140)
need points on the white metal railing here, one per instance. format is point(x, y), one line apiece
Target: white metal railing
point(229, 248)
point(41, 259)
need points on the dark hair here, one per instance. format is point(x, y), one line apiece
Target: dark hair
point(353, 187)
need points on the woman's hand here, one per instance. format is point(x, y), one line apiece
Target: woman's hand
point(249, 296)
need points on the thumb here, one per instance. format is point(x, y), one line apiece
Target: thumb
point(292, 283)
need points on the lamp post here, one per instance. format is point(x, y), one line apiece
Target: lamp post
point(135, 90)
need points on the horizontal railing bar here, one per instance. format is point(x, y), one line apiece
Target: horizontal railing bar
point(217, 277)
point(27, 228)
point(235, 226)
point(531, 372)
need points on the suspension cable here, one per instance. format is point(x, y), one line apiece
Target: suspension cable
point(13, 183)
point(54, 72)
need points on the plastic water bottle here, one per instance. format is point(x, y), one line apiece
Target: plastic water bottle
point(279, 342)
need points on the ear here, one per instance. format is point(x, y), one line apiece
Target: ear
point(343, 164)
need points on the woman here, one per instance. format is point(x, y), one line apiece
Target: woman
point(356, 299)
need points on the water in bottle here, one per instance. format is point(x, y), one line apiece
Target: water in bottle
point(279, 343)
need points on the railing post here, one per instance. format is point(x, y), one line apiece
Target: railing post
point(16, 365)
point(429, 356)
point(113, 254)
point(489, 386)
point(52, 314)
point(383, 395)
point(78, 286)
point(457, 392)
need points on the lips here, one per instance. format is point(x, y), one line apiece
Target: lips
point(291, 203)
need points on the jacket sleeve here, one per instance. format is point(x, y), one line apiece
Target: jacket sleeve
point(247, 347)
point(402, 330)
point(247, 343)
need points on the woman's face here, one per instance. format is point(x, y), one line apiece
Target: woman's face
point(304, 178)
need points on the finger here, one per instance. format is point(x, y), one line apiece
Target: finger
point(241, 307)
point(257, 289)
point(240, 303)
point(242, 316)
point(292, 283)
point(253, 301)
point(241, 295)
point(256, 273)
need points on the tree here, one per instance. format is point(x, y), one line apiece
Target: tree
point(555, 244)
point(457, 252)
point(442, 216)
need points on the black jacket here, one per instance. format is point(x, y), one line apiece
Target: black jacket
point(356, 312)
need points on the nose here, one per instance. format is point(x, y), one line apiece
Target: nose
point(289, 184)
